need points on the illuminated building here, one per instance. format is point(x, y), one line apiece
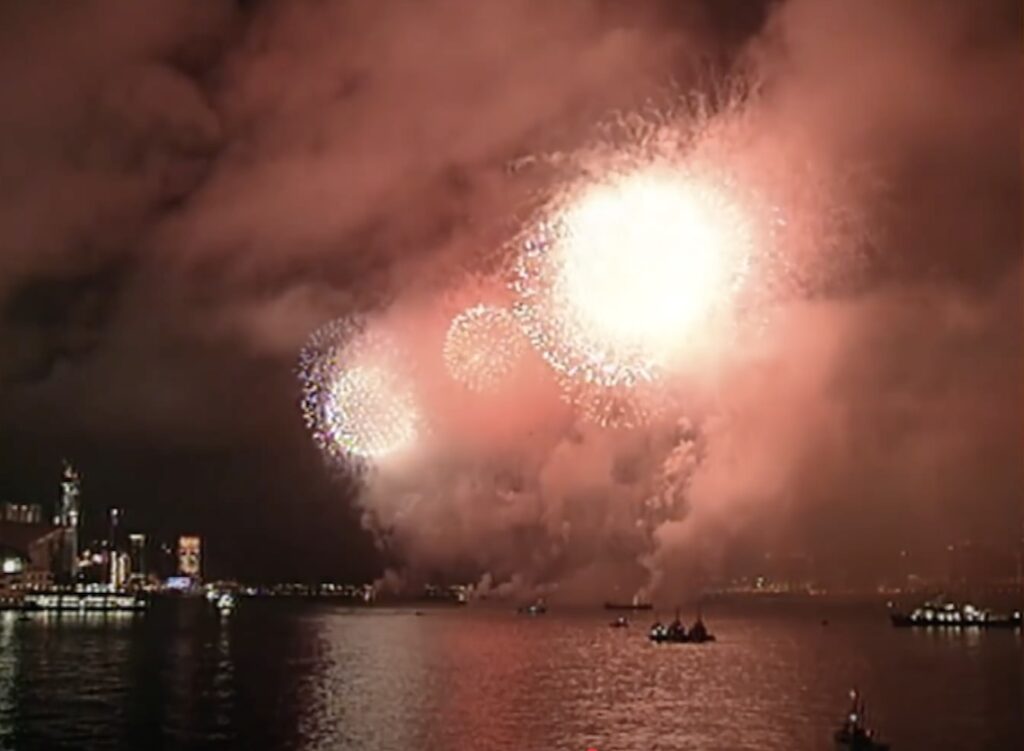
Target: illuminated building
point(112, 554)
point(70, 491)
point(21, 513)
point(137, 547)
point(189, 556)
point(118, 569)
point(67, 518)
point(115, 520)
point(11, 561)
point(28, 554)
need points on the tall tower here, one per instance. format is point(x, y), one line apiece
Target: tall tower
point(70, 491)
point(189, 556)
point(115, 521)
point(68, 517)
point(138, 554)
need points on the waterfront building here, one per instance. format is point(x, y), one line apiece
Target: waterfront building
point(21, 513)
point(137, 553)
point(118, 569)
point(190, 556)
point(68, 518)
point(28, 554)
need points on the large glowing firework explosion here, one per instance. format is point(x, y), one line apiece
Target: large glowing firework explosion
point(355, 401)
point(483, 346)
point(615, 285)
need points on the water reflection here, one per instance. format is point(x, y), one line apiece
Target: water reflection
point(311, 678)
point(9, 653)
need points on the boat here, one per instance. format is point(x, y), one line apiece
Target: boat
point(620, 622)
point(944, 613)
point(635, 605)
point(853, 734)
point(456, 594)
point(536, 608)
point(83, 602)
point(676, 633)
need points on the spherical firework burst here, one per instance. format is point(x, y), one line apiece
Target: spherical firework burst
point(615, 284)
point(355, 400)
point(483, 346)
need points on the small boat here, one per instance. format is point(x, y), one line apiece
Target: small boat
point(635, 605)
point(676, 633)
point(620, 622)
point(943, 613)
point(225, 603)
point(853, 734)
point(536, 608)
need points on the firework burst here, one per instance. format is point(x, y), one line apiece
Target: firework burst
point(625, 407)
point(615, 285)
point(483, 347)
point(355, 401)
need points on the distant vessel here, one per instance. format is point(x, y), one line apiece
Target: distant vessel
point(620, 622)
point(83, 602)
point(536, 608)
point(853, 734)
point(676, 633)
point(456, 594)
point(635, 605)
point(225, 603)
point(947, 614)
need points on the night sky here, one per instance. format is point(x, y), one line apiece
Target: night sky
point(188, 189)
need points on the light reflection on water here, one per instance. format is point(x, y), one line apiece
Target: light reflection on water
point(313, 678)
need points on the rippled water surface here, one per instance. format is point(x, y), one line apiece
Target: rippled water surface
point(294, 676)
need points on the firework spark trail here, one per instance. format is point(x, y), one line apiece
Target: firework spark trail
point(355, 402)
point(482, 347)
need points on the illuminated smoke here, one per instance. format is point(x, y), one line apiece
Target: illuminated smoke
point(649, 264)
point(356, 402)
point(483, 347)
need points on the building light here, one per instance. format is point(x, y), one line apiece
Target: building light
point(189, 556)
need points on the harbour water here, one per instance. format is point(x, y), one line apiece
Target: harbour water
point(302, 676)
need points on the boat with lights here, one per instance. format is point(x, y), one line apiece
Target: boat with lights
point(943, 613)
point(854, 734)
point(84, 601)
point(676, 633)
point(536, 608)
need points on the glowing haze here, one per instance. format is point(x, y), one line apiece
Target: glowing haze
point(650, 250)
point(767, 303)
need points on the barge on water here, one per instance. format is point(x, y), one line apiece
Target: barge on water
point(56, 601)
point(947, 614)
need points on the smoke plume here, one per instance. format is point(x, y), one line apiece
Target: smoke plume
point(190, 189)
